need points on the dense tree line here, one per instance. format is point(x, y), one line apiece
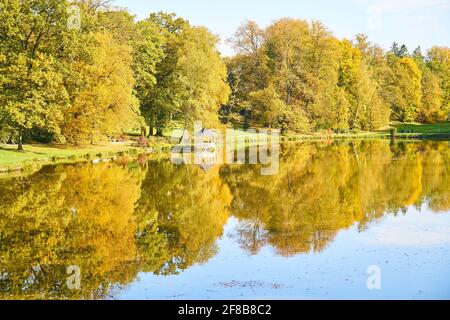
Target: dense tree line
point(295, 75)
point(84, 71)
point(87, 81)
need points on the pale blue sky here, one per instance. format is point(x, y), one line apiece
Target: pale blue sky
point(413, 22)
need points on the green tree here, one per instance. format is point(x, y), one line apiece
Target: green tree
point(399, 51)
point(32, 92)
point(268, 110)
point(165, 99)
point(147, 54)
point(203, 76)
point(404, 89)
point(191, 78)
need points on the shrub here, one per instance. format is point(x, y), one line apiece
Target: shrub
point(142, 142)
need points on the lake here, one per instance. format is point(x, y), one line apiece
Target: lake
point(356, 219)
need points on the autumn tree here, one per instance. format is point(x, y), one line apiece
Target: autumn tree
point(191, 76)
point(32, 92)
point(75, 83)
point(106, 106)
point(404, 88)
point(268, 110)
point(432, 98)
point(438, 60)
point(202, 75)
point(248, 70)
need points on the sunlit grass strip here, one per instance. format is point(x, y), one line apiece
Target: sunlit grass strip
point(35, 156)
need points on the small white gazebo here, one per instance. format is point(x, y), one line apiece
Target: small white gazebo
point(205, 140)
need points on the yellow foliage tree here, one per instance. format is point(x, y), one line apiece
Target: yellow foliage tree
point(106, 105)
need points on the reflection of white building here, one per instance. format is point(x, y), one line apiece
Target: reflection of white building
point(205, 146)
point(205, 140)
point(206, 160)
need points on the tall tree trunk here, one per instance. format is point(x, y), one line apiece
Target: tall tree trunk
point(150, 133)
point(184, 130)
point(143, 131)
point(91, 138)
point(246, 125)
point(20, 144)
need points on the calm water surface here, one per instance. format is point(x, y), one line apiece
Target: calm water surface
point(149, 229)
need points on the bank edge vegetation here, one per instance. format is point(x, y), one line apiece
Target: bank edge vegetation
point(89, 84)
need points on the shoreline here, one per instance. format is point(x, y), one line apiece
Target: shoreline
point(38, 155)
point(369, 136)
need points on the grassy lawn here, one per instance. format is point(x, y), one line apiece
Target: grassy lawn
point(417, 128)
point(11, 159)
point(404, 130)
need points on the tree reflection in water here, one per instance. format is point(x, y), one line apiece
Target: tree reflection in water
point(117, 220)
